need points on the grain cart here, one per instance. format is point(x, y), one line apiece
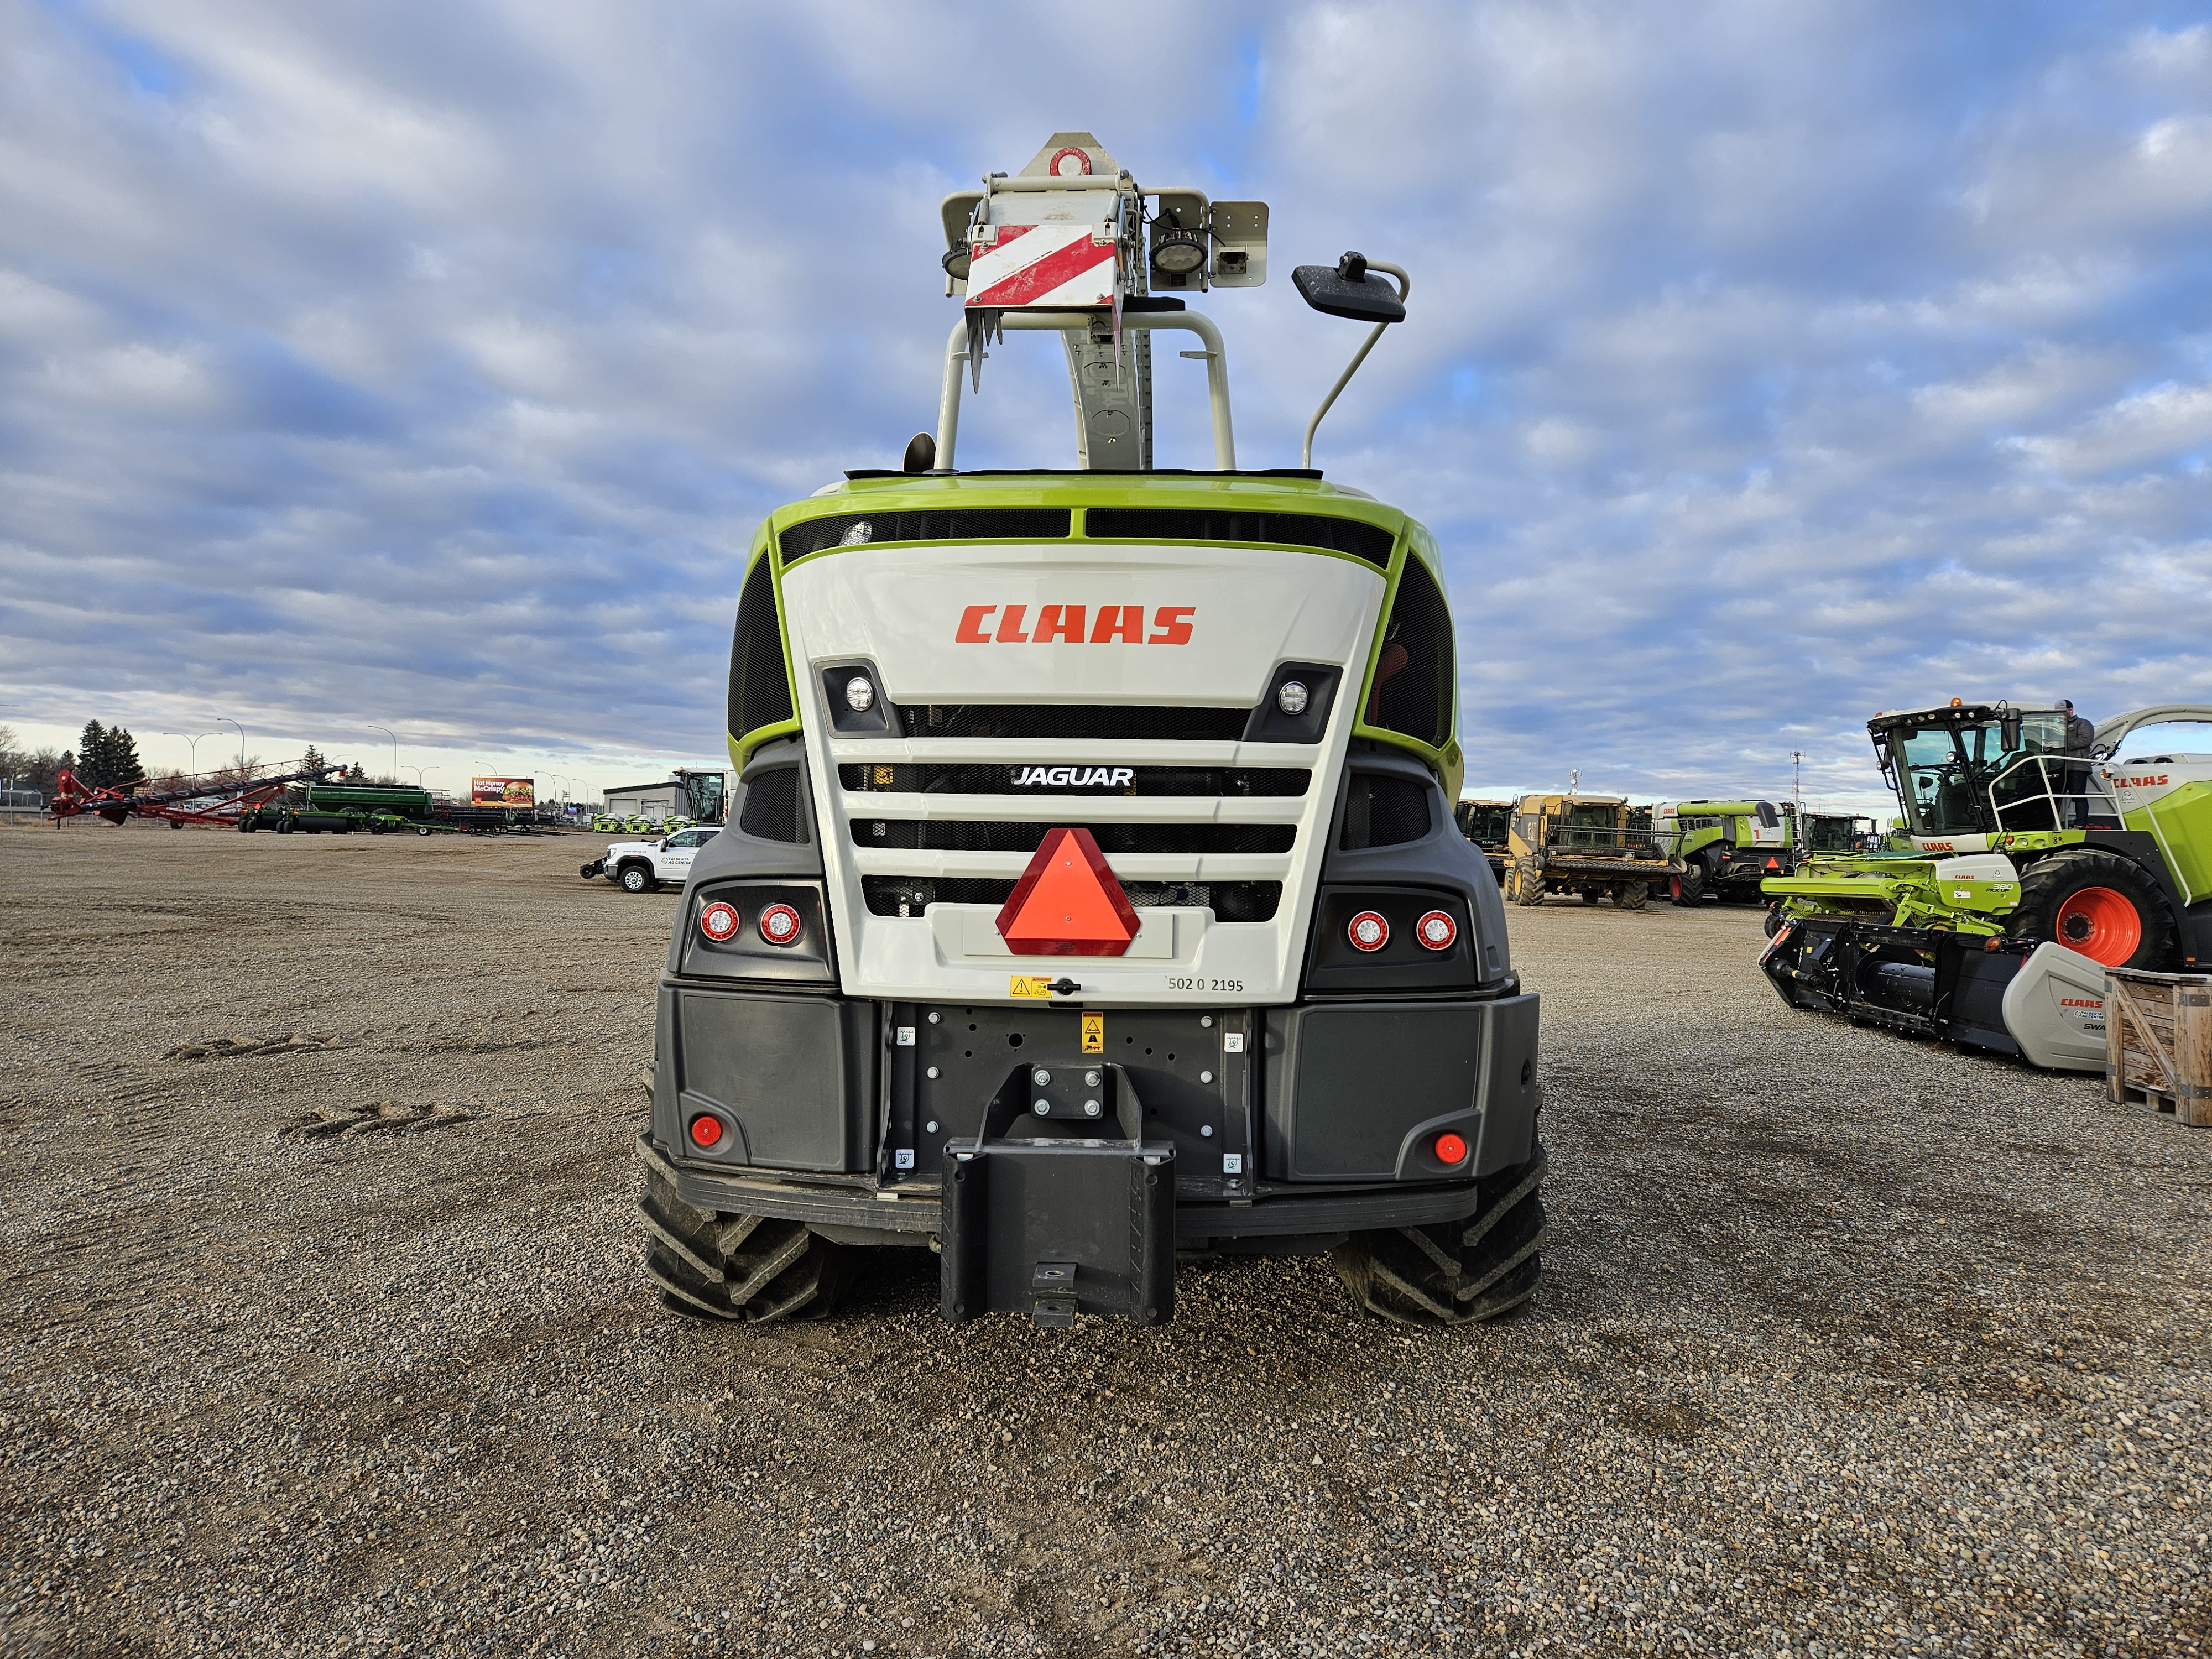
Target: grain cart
point(1727, 846)
point(2025, 873)
point(1587, 845)
point(1091, 894)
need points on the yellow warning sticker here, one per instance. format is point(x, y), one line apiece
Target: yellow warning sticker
point(1023, 985)
point(1094, 1034)
point(882, 777)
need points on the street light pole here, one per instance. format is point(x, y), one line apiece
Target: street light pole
point(194, 746)
point(226, 720)
point(394, 736)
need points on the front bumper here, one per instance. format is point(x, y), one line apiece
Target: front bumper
point(867, 1212)
point(1283, 1124)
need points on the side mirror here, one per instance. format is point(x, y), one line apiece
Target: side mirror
point(2008, 730)
point(1347, 290)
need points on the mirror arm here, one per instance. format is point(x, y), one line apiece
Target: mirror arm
point(1405, 287)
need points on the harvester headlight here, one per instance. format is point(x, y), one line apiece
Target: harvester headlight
point(857, 534)
point(1292, 698)
point(1178, 253)
point(860, 694)
point(956, 262)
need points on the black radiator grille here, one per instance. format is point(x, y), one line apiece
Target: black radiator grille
point(760, 693)
point(1173, 524)
point(1102, 722)
point(962, 524)
point(1413, 680)
point(771, 808)
point(963, 778)
point(1230, 901)
point(1383, 811)
point(971, 836)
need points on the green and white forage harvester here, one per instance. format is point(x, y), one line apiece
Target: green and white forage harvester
point(2025, 872)
point(1091, 896)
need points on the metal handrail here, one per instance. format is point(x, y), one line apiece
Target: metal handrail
point(958, 344)
point(2048, 798)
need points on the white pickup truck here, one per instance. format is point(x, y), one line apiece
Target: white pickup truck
point(639, 867)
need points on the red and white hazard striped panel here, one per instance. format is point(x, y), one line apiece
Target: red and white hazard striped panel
point(1045, 266)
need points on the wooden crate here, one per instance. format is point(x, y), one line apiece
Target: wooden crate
point(2158, 1042)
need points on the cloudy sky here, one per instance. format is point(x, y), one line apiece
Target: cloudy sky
point(430, 364)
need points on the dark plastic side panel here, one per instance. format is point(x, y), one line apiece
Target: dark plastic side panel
point(1337, 1110)
point(794, 1075)
point(1443, 858)
point(1511, 1096)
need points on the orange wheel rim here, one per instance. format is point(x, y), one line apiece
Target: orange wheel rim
point(2101, 924)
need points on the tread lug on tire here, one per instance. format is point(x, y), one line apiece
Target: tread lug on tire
point(745, 1268)
point(1461, 1273)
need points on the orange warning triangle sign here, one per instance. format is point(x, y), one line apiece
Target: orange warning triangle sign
point(1067, 902)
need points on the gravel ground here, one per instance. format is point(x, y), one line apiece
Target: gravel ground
point(1847, 1344)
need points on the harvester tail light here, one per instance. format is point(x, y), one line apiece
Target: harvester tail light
point(719, 922)
point(1369, 931)
point(779, 925)
point(1437, 931)
point(1451, 1149)
point(706, 1132)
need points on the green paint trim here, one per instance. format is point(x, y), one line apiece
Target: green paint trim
point(1449, 761)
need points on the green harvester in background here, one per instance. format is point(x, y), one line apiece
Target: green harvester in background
point(2020, 874)
point(1732, 846)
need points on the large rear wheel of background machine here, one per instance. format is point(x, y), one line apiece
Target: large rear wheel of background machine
point(1688, 889)
point(737, 1266)
point(1461, 1273)
point(2106, 907)
point(1631, 895)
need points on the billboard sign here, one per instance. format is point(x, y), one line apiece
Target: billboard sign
point(502, 792)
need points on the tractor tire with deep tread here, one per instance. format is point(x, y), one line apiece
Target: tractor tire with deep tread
point(1631, 896)
point(1689, 887)
point(1526, 884)
point(2076, 897)
point(748, 1268)
point(1462, 1271)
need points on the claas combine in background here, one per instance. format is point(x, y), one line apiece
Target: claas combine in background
point(1729, 847)
point(2024, 873)
point(1091, 839)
